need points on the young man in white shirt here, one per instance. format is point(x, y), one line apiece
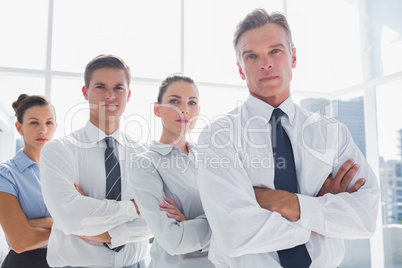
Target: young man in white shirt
point(251, 220)
point(89, 230)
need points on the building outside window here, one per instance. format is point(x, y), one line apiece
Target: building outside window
point(346, 69)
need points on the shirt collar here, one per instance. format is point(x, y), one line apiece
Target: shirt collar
point(259, 107)
point(95, 134)
point(22, 161)
point(165, 149)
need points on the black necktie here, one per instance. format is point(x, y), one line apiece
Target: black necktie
point(285, 179)
point(113, 177)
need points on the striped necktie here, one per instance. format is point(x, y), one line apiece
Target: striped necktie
point(113, 177)
point(285, 179)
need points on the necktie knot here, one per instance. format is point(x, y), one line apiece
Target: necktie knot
point(276, 114)
point(109, 142)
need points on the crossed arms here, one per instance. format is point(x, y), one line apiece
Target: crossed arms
point(83, 215)
point(249, 220)
point(287, 204)
point(23, 234)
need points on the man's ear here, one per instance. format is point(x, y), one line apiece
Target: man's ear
point(156, 109)
point(294, 58)
point(241, 71)
point(85, 92)
point(19, 128)
point(129, 95)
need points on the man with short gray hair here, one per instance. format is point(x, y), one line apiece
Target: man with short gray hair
point(281, 187)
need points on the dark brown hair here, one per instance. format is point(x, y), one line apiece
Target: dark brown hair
point(103, 61)
point(24, 102)
point(171, 79)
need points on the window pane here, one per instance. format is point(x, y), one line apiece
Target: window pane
point(71, 107)
point(13, 85)
point(215, 102)
point(23, 31)
point(3, 246)
point(209, 27)
point(146, 34)
point(386, 33)
point(349, 110)
point(328, 47)
point(389, 108)
point(139, 120)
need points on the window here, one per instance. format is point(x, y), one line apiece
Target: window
point(346, 55)
point(24, 33)
point(399, 172)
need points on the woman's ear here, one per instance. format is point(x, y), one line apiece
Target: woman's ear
point(19, 128)
point(156, 109)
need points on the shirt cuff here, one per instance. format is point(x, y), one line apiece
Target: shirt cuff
point(126, 213)
point(129, 207)
point(119, 235)
point(311, 212)
point(300, 237)
point(122, 234)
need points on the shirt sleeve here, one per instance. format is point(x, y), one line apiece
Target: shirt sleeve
point(344, 215)
point(130, 232)
point(175, 237)
point(7, 183)
point(239, 225)
point(72, 212)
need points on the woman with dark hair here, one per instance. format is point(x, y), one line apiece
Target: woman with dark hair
point(24, 217)
point(163, 181)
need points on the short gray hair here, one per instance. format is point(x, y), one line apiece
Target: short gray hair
point(257, 18)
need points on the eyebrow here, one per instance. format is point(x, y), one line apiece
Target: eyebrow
point(34, 118)
point(177, 96)
point(103, 84)
point(273, 46)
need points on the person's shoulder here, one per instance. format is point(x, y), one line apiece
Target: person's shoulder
point(314, 117)
point(222, 127)
point(131, 143)
point(8, 177)
point(144, 163)
point(7, 169)
point(64, 143)
point(55, 144)
point(314, 123)
point(148, 155)
point(156, 150)
point(227, 120)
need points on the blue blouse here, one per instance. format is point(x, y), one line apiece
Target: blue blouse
point(20, 177)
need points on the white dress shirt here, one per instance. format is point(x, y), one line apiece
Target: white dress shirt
point(79, 158)
point(235, 154)
point(165, 171)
